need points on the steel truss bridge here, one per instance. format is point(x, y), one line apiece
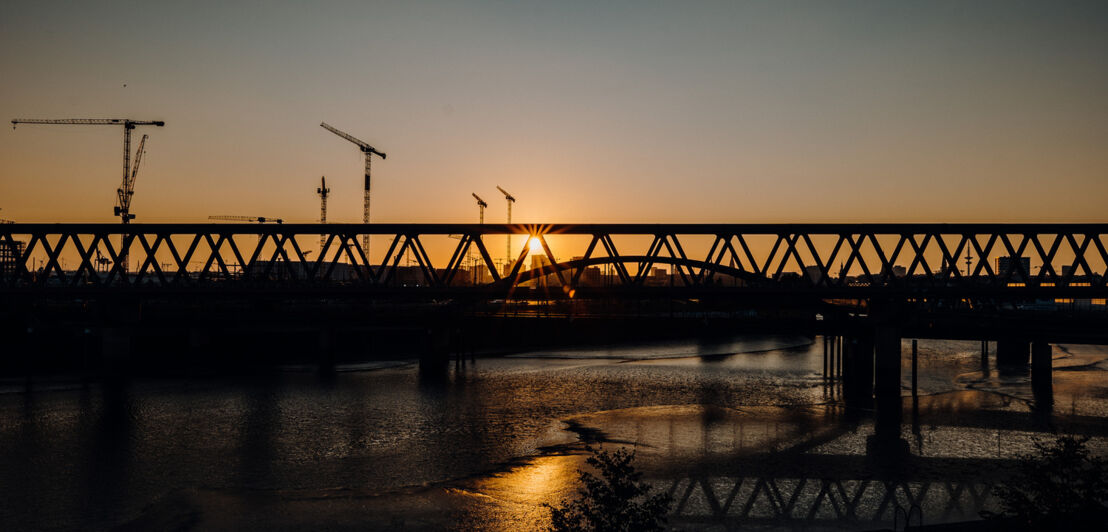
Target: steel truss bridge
point(1016, 261)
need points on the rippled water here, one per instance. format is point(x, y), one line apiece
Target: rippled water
point(744, 431)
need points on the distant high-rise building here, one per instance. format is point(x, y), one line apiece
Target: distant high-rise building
point(9, 258)
point(899, 271)
point(814, 274)
point(592, 276)
point(1005, 265)
point(539, 261)
point(543, 262)
point(658, 277)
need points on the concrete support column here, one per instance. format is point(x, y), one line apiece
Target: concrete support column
point(887, 361)
point(915, 367)
point(1042, 355)
point(26, 347)
point(839, 357)
point(88, 347)
point(826, 357)
point(858, 368)
point(117, 344)
point(199, 338)
point(1012, 352)
point(985, 358)
point(325, 349)
point(886, 448)
point(434, 362)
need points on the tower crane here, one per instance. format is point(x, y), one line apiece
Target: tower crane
point(469, 256)
point(369, 151)
point(323, 191)
point(122, 210)
point(258, 219)
point(480, 205)
point(511, 199)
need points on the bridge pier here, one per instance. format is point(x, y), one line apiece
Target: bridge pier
point(1012, 352)
point(116, 343)
point(828, 356)
point(199, 339)
point(985, 358)
point(325, 349)
point(1042, 385)
point(838, 356)
point(434, 361)
point(24, 349)
point(915, 367)
point(1042, 355)
point(858, 368)
point(886, 448)
point(887, 361)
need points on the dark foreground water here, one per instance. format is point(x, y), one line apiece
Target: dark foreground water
point(743, 433)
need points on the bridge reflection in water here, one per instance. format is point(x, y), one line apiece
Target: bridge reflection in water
point(806, 467)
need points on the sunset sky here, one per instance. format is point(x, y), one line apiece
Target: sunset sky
point(619, 112)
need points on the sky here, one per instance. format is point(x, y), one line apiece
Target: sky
point(738, 112)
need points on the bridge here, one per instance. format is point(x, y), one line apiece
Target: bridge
point(1014, 261)
point(872, 284)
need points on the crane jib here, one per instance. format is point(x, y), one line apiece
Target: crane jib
point(90, 122)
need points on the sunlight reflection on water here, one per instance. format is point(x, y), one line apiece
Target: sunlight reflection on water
point(487, 443)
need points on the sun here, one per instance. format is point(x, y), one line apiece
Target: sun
point(536, 245)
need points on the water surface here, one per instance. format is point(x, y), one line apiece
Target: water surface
point(743, 431)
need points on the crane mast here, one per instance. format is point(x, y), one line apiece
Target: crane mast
point(469, 254)
point(323, 191)
point(128, 125)
point(127, 189)
point(510, 199)
point(480, 205)
point(369, 151)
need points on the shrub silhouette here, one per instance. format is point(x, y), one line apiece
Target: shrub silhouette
point(609, 502)
point(1061, 486)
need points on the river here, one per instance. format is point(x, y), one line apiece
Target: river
point(743, 431)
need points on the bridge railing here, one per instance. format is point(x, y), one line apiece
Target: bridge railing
point(1037, 260)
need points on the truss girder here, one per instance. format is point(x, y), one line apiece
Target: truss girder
point(906, 258)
